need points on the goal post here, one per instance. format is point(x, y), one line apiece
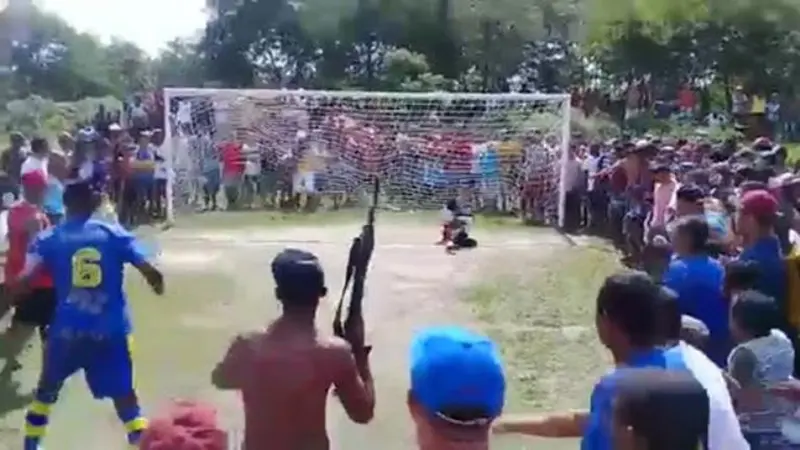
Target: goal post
point(507, 151)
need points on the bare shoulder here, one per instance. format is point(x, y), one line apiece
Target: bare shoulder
point(335, 345)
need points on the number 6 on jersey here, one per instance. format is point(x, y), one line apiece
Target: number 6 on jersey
point(86, 270)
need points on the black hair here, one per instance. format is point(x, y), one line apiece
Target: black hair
point(452, 205)
point(631, 301)
point(696, 228)
point(38, 144)
point(81, 198)
point(647, 399)
point(669, 315)
point(741, 275)
point(755, 313)
point(299, 279)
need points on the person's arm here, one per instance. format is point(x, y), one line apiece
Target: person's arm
point(34, 260)
point(230, 370)
point(353, 383)
point(742, 367)
point(569, 424)
point(134, 254)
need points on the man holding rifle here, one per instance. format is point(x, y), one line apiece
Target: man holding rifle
point(285, 372)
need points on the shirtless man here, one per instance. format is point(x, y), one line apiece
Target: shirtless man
point(284, 373)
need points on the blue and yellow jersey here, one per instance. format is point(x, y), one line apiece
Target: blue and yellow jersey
point(87, 258)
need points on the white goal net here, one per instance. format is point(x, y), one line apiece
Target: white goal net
point(505, 151)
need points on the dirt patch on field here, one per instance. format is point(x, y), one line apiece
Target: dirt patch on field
point(412, 284)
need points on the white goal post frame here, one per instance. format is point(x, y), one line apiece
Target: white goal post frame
point(169, 93)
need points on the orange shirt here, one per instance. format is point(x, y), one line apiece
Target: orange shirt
point(19, 236)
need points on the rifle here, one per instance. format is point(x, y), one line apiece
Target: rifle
point(357, 265)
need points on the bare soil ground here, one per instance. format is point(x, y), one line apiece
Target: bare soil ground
point(530, 289)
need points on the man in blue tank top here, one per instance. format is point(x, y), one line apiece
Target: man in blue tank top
point(91, 329)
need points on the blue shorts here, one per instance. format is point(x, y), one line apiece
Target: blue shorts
point(106, 363)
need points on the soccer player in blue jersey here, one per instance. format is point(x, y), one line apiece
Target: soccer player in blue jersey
point(91, 328)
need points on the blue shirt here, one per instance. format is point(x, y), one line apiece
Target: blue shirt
point(87, 259)
point(54, 196)
point(772, 279)
point(699, 282)
point(598, 432)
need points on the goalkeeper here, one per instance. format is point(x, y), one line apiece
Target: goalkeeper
point(457, 219)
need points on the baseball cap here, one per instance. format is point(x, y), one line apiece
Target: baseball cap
point(758, 203)
point(34, 179)
point(297, 269)
point(690, 193)
point(453, 369)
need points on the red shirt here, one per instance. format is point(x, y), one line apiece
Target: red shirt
point(232, 160)
point(20, 216)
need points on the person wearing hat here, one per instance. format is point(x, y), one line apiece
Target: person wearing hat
point(285, 372)
point(457, 388)
point(755, 222)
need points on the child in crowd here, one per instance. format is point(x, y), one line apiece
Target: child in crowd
point(763, 357)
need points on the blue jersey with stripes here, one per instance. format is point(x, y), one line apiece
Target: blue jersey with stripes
point(87, 258)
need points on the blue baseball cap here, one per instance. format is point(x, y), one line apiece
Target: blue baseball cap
point(455, 369)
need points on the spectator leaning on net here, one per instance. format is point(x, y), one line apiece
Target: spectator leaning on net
point(284, 373)
point(457, 388)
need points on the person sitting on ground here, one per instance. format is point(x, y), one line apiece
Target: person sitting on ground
point(185, 426)
point(647, 399)
point(457, 388)
point(457, 219)
point(285, 372)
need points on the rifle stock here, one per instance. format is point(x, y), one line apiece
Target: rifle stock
point(357, 266)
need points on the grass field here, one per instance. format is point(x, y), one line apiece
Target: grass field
point(531, 289)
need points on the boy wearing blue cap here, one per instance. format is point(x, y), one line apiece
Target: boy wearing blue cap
point(457, 388)
point(285, 372)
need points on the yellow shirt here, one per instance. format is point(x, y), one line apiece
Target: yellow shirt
point(759, 105)
point(509, 148)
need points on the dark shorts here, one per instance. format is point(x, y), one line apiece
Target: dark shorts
point(106, 362)
point(36, 309)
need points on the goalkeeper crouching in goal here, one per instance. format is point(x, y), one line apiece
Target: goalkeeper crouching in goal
point(456, 222)
point(91, 330)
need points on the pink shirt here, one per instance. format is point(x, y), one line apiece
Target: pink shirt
point(662, 198)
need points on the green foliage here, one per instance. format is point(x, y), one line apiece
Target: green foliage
point(36, 115)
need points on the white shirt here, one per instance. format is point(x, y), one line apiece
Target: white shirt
point(591, 165)
point(161, 172)
point(724, 431)
point(33, 163)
